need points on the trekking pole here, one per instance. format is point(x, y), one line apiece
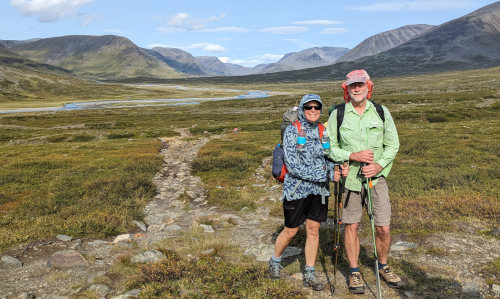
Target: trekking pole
point(336, 231)
point(372, 220)
point(337, 219)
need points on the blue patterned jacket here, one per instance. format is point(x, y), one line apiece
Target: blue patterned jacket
point(308, 171)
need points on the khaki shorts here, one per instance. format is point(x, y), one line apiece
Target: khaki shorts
point(381, 205)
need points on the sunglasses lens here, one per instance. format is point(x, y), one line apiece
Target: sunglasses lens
point(311, 107)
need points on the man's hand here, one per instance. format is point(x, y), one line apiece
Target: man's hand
point(371, 170)
point(364, 156)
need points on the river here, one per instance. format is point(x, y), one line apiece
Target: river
point(139, 103)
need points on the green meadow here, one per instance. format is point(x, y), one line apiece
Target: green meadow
point(88, 173)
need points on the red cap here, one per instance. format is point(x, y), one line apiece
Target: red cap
point(357, 76)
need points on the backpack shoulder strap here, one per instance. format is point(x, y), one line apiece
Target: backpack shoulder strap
point(321, 129)
point(380, 111)
point(340, 118)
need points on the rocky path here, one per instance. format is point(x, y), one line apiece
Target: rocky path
point(64, 268)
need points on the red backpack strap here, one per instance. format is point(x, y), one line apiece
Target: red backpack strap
point(321, 129)
point(297, 125)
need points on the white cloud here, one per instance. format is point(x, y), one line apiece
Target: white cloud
point(224, 59)
point(49, 10)
point(285, 29)
point(301, 43)
point(226, 29)
point(185, 22)
point(253, 61)
point(333, 30)
point(407, 5)
point(317, 22)
point(271, 57)
point(217, 18)
point(207, 47)
point(182, 22)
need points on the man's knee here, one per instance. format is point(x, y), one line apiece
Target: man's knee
point(384, 230)
point(351, 227)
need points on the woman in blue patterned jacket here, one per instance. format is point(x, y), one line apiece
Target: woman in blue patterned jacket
point(305, 189)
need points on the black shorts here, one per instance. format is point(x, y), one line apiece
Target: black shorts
point(297, 211)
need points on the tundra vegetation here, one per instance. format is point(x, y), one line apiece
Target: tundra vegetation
point(88, 173)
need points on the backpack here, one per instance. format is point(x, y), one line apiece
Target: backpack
point(279, 169)
point(341, 111)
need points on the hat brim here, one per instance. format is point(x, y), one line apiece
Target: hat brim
point(355, 80)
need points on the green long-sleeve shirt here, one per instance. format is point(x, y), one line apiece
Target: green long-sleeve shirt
point(359, 133)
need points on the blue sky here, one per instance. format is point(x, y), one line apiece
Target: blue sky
point(242, 32)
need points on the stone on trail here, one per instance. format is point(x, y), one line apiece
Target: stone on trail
point(97, 243)
point(403, 245)
point(67, 259)
point(471, 289)
point(130, 294)
point(263, 252)
point(26, 296)
point(11, 262)
point(101, 289)
point(140, 225)
point(207, 228)
point(495, 288)
point(148, 256)
point(123, 238)
point(64, 238)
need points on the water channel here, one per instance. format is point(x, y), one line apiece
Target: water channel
point(142, 102)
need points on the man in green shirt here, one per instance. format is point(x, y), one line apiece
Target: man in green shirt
point(365, 138)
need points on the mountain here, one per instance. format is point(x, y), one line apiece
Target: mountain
point(179, 60)
point(213, 66)
point(5, 52)
point(96, 57)
point(12, 43)
point(468, 42)
point(10, 62)
point(312, 57)
point(384, 41)
point(22, 78)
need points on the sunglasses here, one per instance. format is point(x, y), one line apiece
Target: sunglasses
point(311, 107)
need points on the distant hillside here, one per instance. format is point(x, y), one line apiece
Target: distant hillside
point(22, 78)
point(179, 60)
point(469, 42)
point(96, 57)
point(12, 43)
point(5, 52)
point(384, 41)
point(312, 57)
point(213, 66)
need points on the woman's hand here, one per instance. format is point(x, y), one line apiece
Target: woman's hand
point(345, 169)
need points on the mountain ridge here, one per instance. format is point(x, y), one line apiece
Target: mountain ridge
point(471, 41)
point(384, 41)
point(95, 57)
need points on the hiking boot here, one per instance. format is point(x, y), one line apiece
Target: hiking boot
point(390, 277)
point(356, 285)
point(311, 281)
point(274, 269)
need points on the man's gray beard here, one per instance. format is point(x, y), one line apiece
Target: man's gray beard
point(359, 101)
